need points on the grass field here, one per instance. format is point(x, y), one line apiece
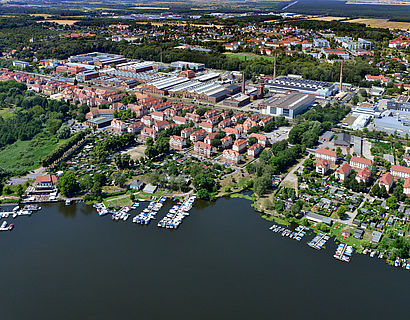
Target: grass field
point(328, 18)
point(6, 113)
point(249, 56)
point(382, 23)
point(62, 22)
point(23, 156)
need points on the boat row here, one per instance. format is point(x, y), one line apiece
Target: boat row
point(150, 212)
point(318, 241)
point(122, 214)
point(176, 214)
point(298, 234)
point(343, 252)
point(6, 227)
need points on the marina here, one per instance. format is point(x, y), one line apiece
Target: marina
point(319, 241)
point(343, 252)
point(298, 234)
point(177, 213)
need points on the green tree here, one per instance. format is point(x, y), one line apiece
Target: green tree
point(67, 183)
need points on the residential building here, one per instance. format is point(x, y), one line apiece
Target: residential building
point(406, 187)
point(198, 135)
point(226, 142)
point(386, 181)
point(231, 156)
point(177, 142)
point(254, 150)
point(118, 125)
point(360, 163)
point(203, 149)
point(400, 172)
point(239, 145)
point(363, 175)
point(148, 133)
point(322, 166)
point(262, 139)
point(186, 133)
point(343, 171)
point(325, 154)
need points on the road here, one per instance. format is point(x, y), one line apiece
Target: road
point(291, 178)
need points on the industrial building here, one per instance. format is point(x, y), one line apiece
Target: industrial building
point(288, 105)
point(97, 58)
point(402, 103)
point(181, 65)
point(392, 121)
point(319, 89)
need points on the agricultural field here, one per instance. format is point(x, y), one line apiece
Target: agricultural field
point(382, 23)
point(328, 18)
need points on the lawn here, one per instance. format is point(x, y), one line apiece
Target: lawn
point(23, 156)
point(249, 56)
point(6, 113)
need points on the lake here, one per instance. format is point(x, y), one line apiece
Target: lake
point(222, 263)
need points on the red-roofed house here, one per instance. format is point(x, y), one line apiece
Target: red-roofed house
point(343, 172)
point(406, 187)
point(208, 127)
point(203, 149)
point(47, 181)
point(231, 156)
point(177, 142)
point(186, 133)
point(254, 150)
point(160, 125)
point(400, 172)
point(387, 181)
point(180, 120)
point(118, 125)
point(148, 132)
point(326, 155)
point(261, 138)
point(198, 135)
point(322, 166)
point(226, 142)
point(239, 145)
point(147, 121)
point(363, 175)
point(360, 163)
point(158, 116)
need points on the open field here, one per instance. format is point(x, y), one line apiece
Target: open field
point(150, 8)
point(248, 56)
point(6, 113)
point(23, 156)
point(328, 18)
point(44, 15)
point(62, 22)
point(382, 23)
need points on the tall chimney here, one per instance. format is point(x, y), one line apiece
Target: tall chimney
point(341, 77)
point(274, 66)
point(243, 82)
point(160, 56)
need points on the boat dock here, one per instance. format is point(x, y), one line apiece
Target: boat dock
point(177, 213)
point(343, 252)
point(319, 241)
point(298, 234)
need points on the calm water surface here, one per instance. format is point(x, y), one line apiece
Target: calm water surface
point(222, 263)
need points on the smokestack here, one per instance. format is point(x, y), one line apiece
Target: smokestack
point(341, 77)
point(243, 82)
point(274, 66)
point(160, 56)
